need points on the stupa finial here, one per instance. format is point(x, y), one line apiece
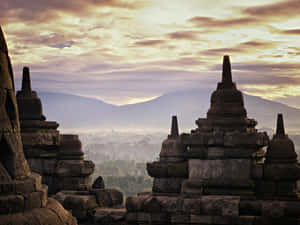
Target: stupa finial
point(226, 74)
point(174, 127)
point(280, 125)
point(26, 82)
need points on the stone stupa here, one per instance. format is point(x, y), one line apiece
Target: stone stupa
point(219, 172)
point(57, 157)
point(23, 198)
point(60, 160)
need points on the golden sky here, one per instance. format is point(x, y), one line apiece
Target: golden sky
point(130, 51)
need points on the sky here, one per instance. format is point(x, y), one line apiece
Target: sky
point(129, 51)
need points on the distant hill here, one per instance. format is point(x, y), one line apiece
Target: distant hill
point(73, 111)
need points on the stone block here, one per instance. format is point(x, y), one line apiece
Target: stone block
point(215, 153)
point(220, 205)
point(250, 208)
point(37, 180)
point(151, 205)
point(216, 139)
point(223, 220)
point(168, 204)
point(245, 220)
point(33, 200)
point(194, 189)
point(11, 204)
point(292, 209)
point(135, 203)
point(197, 152)
point(131, 217)
point(25, 186)
point(144, 217)
point(44, 194)
point(63, 214)
point(257, 171)
point(168, 169)
point(245, 139)
point(239, 153)
point(179, 218)
point(191, 206)
point(108, 215)
point(80, 204)
point(159, 218)
point(108, 197)
point(273, 208)
point(167, 185)
point(281, 172)
point(220, 169)
point(227, 191)
point(283, 188)
point(179, 169)
point(265, 187)
point(48, 167)
point(201, 219)
point(157, 169)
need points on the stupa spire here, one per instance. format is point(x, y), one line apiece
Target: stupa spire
point(174, 127)
point(280, 125)
point(226, 74)
point(3, 45)
point(26, 82)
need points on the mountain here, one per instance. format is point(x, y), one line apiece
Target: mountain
point(80, 112)
point(72, 111)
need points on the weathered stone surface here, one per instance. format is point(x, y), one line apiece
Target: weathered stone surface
point(11, 155)
point(63, 214)
point(250, 208)
point(281, 172)
point(180, 218)
point(273, 208)
point(170, 169)
point(215, 153)
point(109, 216)
point(135, 203)
point(108, 197)
point(216, 169)
point(167, 185)
point(11, 204)
point(257, 171)
point(151, 205)
point(81, 205)
point(220, 205)
point(191, 206)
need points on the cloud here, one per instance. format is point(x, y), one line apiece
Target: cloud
point(269, 67)
point(149, 43)
point(67, 44)
point(279, 10)
point(36, 10)
point(183, 35)
point(211, 22)
point(291, 32)
point(243, 48)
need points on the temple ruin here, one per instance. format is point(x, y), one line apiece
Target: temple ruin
point(23, 198)
point(219, 173)
point(60, 160)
